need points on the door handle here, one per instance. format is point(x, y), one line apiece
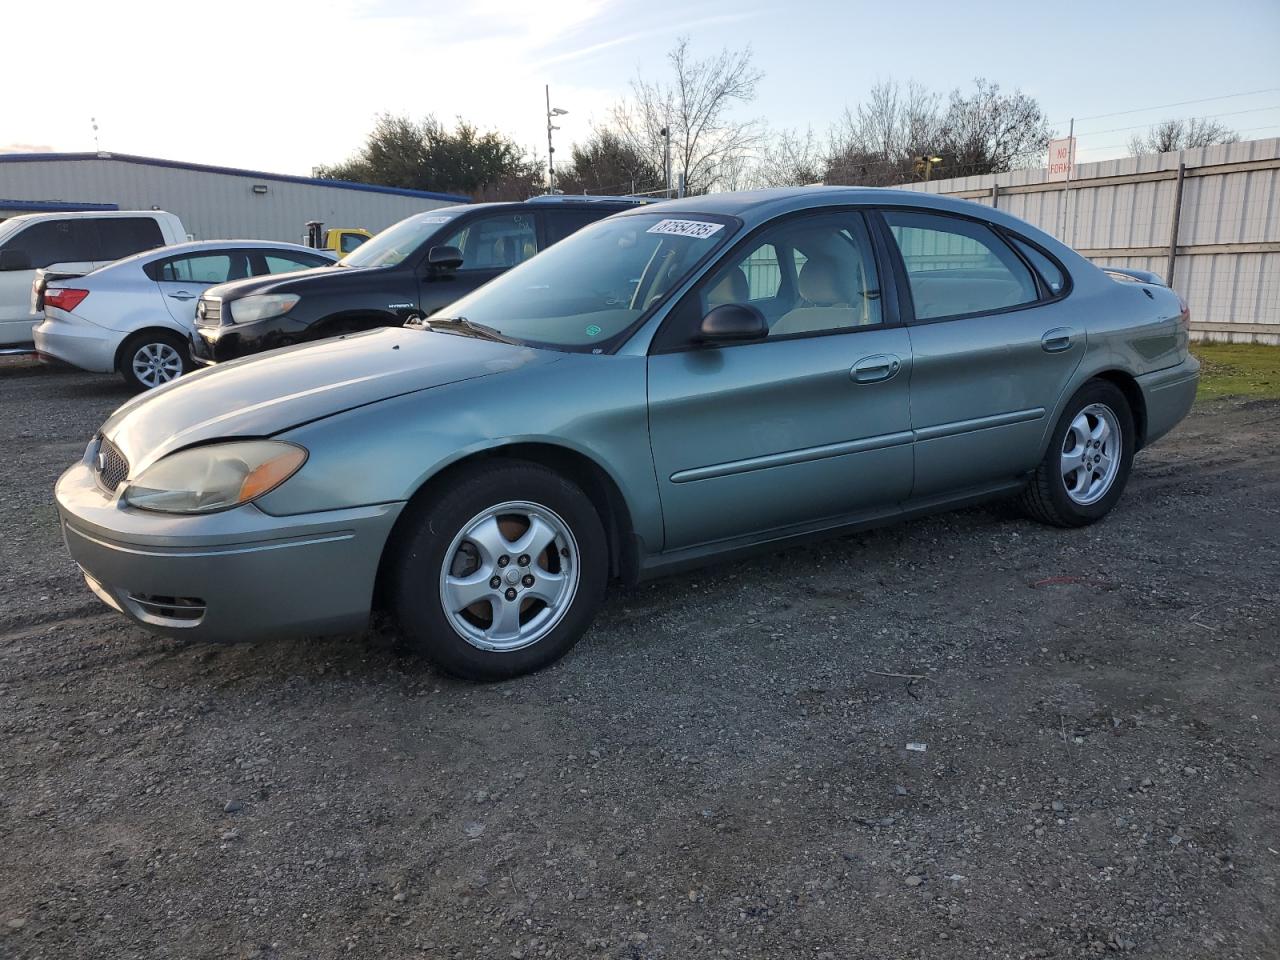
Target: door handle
point(1057, 340)
point(182, 295)
point(882, 366)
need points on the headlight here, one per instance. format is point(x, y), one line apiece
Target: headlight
point(262, 306)
point(214, 477)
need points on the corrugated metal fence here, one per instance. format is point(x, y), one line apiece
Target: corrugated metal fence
point(1209, 217)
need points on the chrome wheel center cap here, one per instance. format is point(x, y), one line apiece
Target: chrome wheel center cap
point(513, 576)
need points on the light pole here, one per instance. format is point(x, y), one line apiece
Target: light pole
point(665, 133)
point(928, 165)
point(551, 151)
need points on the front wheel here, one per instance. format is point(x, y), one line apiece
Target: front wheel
point(500, 574)
point(1090, 453)
point(153, 358)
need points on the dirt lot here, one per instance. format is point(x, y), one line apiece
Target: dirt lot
point(721, 769)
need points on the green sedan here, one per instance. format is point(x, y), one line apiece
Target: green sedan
point(671, 386)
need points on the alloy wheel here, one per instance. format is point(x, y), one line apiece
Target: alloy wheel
point(1091, 453)
point(509, 576)
point(155, 364)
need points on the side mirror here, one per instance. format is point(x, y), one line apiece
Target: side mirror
point(444, 259)
point(733, 323)
point(15, 260)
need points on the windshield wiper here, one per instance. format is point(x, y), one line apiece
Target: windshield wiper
point(467, 328)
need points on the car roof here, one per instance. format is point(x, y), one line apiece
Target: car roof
point(195, 246)
point(539, 203)
point(754, 207)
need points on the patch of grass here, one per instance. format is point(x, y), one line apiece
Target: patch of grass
point(1238, 370)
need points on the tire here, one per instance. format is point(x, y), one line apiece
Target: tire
point(153, 358)
point(545, 599)
point(1065, 497)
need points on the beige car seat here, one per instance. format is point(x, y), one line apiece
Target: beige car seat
point(829, 291)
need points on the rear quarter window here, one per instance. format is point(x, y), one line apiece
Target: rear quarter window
point(1055, 280)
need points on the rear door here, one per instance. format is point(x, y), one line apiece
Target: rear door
point(993, 349)
point(182, 279)
point(559, 224)
point(119, 237)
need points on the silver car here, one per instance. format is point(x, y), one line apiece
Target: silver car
point(136, 316)
point(671, 386)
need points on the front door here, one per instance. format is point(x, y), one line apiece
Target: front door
point(491, 244)
point(993, 350)
point(811, 423)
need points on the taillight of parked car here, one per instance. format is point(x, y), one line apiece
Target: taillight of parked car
point(1186, 313)
point(64, 298)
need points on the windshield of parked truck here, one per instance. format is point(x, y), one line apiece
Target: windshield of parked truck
point(588, 291)
point(392, 245)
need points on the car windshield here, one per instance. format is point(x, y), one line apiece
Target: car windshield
point(593, 286)
point(398, 241)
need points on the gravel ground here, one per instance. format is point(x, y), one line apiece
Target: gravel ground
point(722, 768)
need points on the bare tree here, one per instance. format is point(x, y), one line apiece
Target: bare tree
point(789, 159)
point(1171, 135)
point(987, 131)
point(696, 106)
point(879, 142)
point(905, 133)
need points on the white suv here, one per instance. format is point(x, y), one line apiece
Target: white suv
point(68, 243)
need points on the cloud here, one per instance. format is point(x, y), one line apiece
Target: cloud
point(25, 148)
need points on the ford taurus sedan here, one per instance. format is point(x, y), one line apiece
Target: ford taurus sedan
point(671, 386)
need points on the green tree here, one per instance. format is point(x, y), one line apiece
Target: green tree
point(606, 164)
point(430, 156)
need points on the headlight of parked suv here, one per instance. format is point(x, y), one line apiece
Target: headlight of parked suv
point(262, 306)
point(214, 477)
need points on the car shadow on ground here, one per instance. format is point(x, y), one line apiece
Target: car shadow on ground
point(807, 575)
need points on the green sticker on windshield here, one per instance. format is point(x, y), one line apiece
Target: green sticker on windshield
point(593, 331)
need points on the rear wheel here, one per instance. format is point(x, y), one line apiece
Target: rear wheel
point(1087, 464)
point(502, 573)
point(153, 358)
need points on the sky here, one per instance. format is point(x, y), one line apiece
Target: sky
point(282, 86)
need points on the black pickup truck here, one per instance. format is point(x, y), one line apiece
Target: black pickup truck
point(410, 269)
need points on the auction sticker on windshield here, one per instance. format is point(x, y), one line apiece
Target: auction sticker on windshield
point(698, 229)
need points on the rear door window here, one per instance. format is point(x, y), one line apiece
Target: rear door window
point(124, 236)
point(561, 223)
point(207, 268)
point(56, 241)
point(957, 267)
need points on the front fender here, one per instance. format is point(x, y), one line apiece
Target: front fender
point(593, 405)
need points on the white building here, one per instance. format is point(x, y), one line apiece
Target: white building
point(213, 202)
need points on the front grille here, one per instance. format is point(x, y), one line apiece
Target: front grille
point(112, 466)
point(209, 312)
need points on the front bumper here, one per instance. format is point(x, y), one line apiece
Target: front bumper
point(240, 574)
point(210, 345)
point(79, 343)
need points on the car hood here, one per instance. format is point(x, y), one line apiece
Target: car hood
point(262, 395)
point(301, 281)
